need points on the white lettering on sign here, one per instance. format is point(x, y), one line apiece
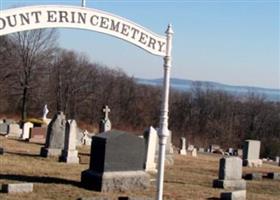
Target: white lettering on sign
point(55, 16)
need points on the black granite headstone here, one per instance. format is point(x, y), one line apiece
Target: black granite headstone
point(1, 151)
point(117, 151)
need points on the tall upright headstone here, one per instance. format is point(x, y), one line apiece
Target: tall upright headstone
point(55, 136)
point(105, 123)
point(26, 130)
point(69, 153)
point(116, 163)
point(230, 174)
point(251, 153)
point(151, 139)
point(183, 150)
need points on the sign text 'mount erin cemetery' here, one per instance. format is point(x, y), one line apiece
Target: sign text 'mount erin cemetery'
point(35, 17)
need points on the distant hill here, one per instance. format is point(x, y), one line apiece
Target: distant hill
point(187, 85)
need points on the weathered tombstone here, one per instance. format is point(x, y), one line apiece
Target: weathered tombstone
point(69, 153)
point(105, 123)
point(200, 149)
point(1, 121)
point(151, 139)
point(194, 152)
point(4, 129)
point(55, 136)
point(183, 146)
point(14, 131)
point(230, 174)
point(26, 130)
point(235, 195)
point(230, 151)
point(251, 153)
point(191, 147)
point(17, 188)
point(214, 147)
point(38, 135)
point(116, 163)
point(253, 176)
point(240, 152)
point(274, 175)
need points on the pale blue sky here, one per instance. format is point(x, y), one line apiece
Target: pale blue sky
point(232, 42)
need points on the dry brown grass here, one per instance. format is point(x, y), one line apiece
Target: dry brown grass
point(189, 178)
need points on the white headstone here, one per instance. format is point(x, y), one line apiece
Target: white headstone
point(86, 139)
point(14, 131)
point(69, 153)
point(183, 146)
point(251, 153)
point(151, 140)
point(26, 130)
point(190, 147)
point(194, 152)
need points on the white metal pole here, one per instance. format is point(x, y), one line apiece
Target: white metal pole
point(163, 129)
point(83, 3)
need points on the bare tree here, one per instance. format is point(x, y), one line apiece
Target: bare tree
point(33, 51)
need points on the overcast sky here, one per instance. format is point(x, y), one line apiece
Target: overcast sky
point(232, 42)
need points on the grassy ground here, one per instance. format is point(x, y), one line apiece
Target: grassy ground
point(188, 178)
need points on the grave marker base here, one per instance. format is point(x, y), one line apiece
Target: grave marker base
point(118, 181)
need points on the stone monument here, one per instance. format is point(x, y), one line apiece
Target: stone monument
point(69, 153)
point(14, 130)
point(151, 139)
point(105, 123)
point(116, 163)
point(251, 153)
point(183, 146)
point(55, 136)
point(230, 174)
point(45, 113)
point(26, 130)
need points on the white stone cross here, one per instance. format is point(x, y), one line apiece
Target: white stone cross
point(106, 110)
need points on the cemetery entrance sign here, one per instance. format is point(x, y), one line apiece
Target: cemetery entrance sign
point(62, 16)
point(34, 17)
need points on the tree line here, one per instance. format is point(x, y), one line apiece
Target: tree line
point(35, 71)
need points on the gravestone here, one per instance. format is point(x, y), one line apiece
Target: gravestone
point(183, 146)
point(45, 113)
point(253, 176)
point(1, 121)
point(1, 151)
point(214, 147)
point(17, 188)
point(169, 152)
point(69, 153)
point(194, 152)
point(116, 163)
point(26, 130)
point(79, 137)
point(38, 135)
point(14, 131)
point(251, 153)
point(274, 175)
point(201, 149)
point(230, 174)
point(105, 123)
point(151, 139)
point(234, 195)
point(4, 129)
point(191, 147)
point(55, 136)
point(86, 139)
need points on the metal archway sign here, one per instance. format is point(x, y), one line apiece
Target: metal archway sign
point(62, 16)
